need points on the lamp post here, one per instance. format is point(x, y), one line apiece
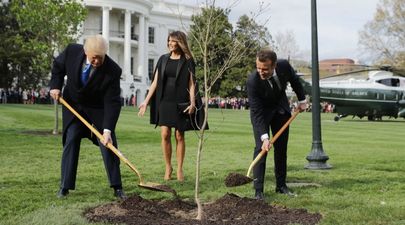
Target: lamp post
point(317, 157)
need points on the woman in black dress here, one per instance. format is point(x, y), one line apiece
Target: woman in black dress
point(173, 97)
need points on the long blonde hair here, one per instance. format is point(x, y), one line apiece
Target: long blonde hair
point(182, 42)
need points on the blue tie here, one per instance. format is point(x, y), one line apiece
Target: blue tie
point(85, 74)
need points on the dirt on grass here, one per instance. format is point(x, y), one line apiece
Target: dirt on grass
point(230, 209)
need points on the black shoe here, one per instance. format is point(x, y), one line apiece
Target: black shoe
point(285, 190)
point(119, 193)
point(62, 193)
point(259, 195)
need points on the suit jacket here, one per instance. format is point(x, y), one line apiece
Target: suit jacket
point(184, 68)
point(99, 100)
point(262, 101)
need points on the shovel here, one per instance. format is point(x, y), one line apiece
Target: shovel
point(142, 183)
point(235, 179)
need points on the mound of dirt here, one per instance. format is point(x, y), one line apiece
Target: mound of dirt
point(230, 209)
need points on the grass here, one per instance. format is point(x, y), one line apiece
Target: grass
point(365, 186)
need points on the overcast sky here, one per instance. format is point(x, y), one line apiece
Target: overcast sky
point(339, 22)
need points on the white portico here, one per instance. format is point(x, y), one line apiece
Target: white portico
point(136, 31)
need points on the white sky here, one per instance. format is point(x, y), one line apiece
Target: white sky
point(339, 22)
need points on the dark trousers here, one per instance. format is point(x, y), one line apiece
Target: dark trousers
point(280, 153)
point(70, 158)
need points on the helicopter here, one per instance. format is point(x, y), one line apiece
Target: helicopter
point(371, 93)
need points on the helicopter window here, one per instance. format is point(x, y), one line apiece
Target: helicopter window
point(392, 82)
point(395, 82)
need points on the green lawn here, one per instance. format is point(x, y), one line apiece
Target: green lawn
point(365, 186)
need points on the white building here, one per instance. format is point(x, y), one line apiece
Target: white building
point(136, 31)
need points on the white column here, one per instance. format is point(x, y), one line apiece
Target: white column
point(146, 52)
point(106, 23)
point(141, 47)
point(127, 47)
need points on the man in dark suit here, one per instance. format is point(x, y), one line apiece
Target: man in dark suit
point(269, 107)
point(93, 89)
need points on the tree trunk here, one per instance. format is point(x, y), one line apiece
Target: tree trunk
point(200, 211)
point(197, 180)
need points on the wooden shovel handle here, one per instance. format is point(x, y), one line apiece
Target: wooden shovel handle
point(273, 139)
point(101, 137)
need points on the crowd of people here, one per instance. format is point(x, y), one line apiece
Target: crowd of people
point(41, 96)
point(327, 107)
point(24, 96)
point(228, 103)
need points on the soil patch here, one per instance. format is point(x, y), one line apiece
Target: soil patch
point(230, 209)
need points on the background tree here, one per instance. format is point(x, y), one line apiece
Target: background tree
point(287, 48)
point(31, 33)
point(384, 37)
point(45, 27)
point(217, 45)
point(11, 53)
point(286, 45)
point(215, 59)
point(254, 37)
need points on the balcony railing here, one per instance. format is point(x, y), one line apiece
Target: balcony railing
point(91, 31)
point(117, 33)
point(134, 37)
point(113, 33)
point(137, 78)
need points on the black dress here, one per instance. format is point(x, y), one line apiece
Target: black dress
point(168, 114)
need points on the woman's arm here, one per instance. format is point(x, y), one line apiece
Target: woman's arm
point(152, 89)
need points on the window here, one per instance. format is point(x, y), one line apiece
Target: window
point(132, 65)
point(100, 25)
point(150, 68)
point(392, 82)
point(151, 35)
point(133, 35)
